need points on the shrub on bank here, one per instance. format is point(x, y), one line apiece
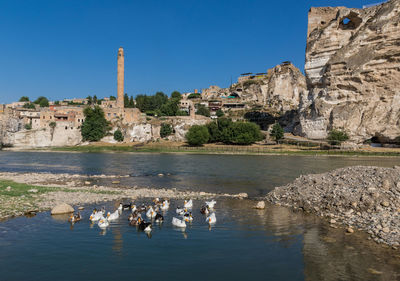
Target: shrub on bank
point(197, 135)
point(335, 137)
point(95, 126)
point(165, 130)
point(118, 136)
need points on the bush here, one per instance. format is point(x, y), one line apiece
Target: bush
point(194, 96)
point(197, 135)
point(165, 130)
point(28, 126)
point(244, 133)
point(182, 113)
point(176, 95)
point(248, 83)
point(202, 110)
point(335, 137)
point(42, 101)
point(118, 136)
point(219, 113)
point(277, 132)
point(52, 124)
point(24, 98)
point(95, 126)
point(29, 105)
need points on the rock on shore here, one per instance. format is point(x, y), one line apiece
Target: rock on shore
point(364, 198)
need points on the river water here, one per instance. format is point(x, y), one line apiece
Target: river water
point(244, 244)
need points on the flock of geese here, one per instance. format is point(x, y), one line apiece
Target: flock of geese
point(153, 213)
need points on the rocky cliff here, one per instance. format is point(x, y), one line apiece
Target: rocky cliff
point(353, 73)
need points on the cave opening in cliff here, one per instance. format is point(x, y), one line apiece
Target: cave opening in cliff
point(351, 21)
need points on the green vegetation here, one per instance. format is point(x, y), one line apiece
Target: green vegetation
point(95, 126)
point(228, 132)
point(23, 98)
point(219, 113)
point(165, 130)
point(277, 132)
point(42, 101)
point(113, 97)
point(197, 135)
point(202, 110)
point(176, 95)
point(28, 126)
point(182, 113)
point(118, 136)
point(128, 102)
point(52, 124)
point(250, 82)
point(151, 103)
point(335, 137)
point(194, 96)
point(29, 105)
point(57, 102)
point(90, 100)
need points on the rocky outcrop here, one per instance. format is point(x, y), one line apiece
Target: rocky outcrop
point(365, 198)
point(352, 69)
point(278, 90)
point(62, 208)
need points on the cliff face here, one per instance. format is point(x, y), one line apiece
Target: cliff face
point(278, 91)
point(353, 73)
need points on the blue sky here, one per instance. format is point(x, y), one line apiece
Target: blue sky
point(67, 48)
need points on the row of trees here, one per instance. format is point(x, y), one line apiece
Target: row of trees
point(41, 101)
point(224, 130)
point(160, 105)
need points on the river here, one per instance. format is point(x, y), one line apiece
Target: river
point(244, 244)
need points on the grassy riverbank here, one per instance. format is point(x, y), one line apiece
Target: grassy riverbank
point(227, 149)
point(19, 198)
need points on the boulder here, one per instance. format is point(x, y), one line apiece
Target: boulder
point(62, 208)
point(260, 205)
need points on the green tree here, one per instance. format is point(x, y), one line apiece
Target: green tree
point(176, 95)
point(90, 100)
point(118, 136)
point(245, 133)
point(182, 113)
point(202, 110)
point(52, 124)
point(126, 100)
point(28, 126)
point(194, 96)
point(335, 137)
point(95, 126)
point(29, 105)
point(57, 102)
point(197, 135)
point(219, 113)
point(165, 130)
point(42, 101)
point(277, 132)
point(170, 107)
point(131, 102)
point(24, 98)
point(113, 98)
point(94, 101)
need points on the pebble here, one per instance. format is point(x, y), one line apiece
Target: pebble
point(88, 183)
point(8, 188)
point(349, 230)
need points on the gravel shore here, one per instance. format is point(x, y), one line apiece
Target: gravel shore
point(358, 198)
point(77, 190)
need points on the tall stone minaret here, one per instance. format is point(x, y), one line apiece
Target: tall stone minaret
point(120, 82)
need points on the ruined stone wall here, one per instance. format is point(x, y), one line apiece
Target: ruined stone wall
point(352, 70)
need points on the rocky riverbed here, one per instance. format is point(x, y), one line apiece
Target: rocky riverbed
point(363, 198)
point(43, 191)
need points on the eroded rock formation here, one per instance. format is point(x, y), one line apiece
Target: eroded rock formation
point(353, 73)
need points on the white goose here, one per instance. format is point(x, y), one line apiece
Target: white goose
point(178, 222)
point(113, 216)
point(211, 219)
point(188, 204)
point(103, 223)
point(211, 204)
point(151, 214)
point(165, 205)
point(181, 211)
point(95, 216)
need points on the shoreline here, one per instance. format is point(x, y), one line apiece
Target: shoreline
point(212, 150)
point(29, 193)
